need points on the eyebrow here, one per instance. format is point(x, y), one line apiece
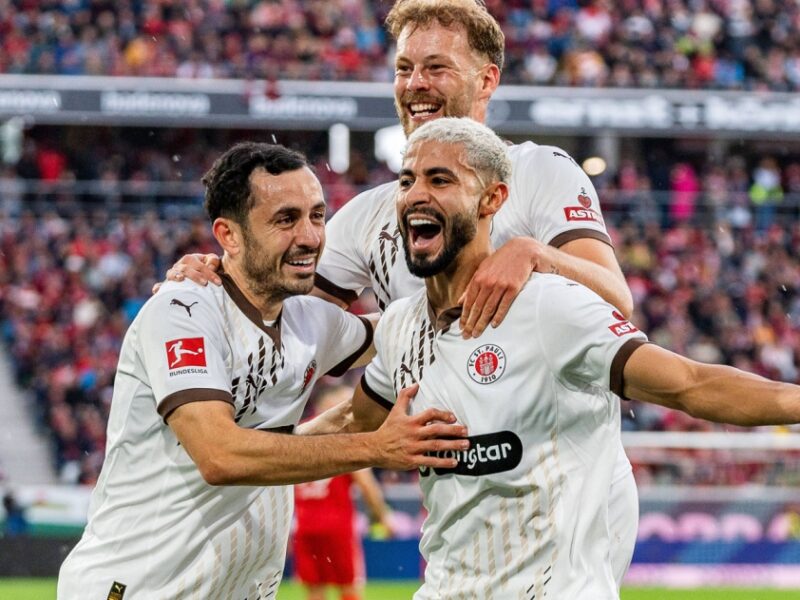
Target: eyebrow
point(290, 209)
point(430, 172)
point(428, 58)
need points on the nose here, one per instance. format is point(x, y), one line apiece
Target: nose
point(309, 234)
point(415, 195)
point(418, 81)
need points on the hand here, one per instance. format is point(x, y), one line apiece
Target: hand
point(496, 283)
point(200, 268)
point(408, 442)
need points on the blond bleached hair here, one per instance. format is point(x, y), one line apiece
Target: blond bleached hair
point(482, 149)
point(483, 31)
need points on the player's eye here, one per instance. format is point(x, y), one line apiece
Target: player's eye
point(406, 182)
point(402, 69)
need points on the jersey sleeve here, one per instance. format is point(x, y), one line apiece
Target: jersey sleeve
point(586, 340)
point(560, 202)
point(343, 269)
point(347, 337)
point(377, 381)
point(184, 351)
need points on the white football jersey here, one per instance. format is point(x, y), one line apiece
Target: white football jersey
point(550, 199)
point(525, 512)
point(157, 530)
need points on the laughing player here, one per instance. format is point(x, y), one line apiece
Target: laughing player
point(525, 512)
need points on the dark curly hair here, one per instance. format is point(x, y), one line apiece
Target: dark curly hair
point(227, 182)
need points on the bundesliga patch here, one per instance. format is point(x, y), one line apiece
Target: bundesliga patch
point(186, 352)
point(486, 364)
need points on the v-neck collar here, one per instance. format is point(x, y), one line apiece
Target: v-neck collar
point(249, 309)
point(445, 320)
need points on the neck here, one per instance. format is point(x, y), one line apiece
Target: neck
point(268, 306)
point(446, 288)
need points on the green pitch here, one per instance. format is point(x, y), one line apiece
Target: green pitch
point(44, 589)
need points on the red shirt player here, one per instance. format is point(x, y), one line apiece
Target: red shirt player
point(327, 547)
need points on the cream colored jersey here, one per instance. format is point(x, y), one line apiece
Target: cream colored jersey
point(156, 529)
point(550, 199)
point(525, 512)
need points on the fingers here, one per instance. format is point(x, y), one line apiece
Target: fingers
point(503, 308)
point(156, 287)
point(481, 315)
point(404, 398)
point(472, 311)
point(441, 454)
point(434, 414)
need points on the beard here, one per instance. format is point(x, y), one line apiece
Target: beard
point(456, 106)
point(265, 276)
point(460, 231)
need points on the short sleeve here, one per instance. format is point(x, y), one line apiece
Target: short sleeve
point(183, 349)
point(585, 339)
point(560, 202)
point(377, 381)
point(346, 337)
point(343, 269)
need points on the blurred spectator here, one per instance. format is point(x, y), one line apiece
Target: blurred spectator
point(683, 44)
point(766, 192)
point(15, 522)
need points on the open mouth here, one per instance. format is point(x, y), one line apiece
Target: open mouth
point(424, 232)
point(302, 265)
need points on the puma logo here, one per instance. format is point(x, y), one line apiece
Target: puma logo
point(176, 302)
point(386, 236)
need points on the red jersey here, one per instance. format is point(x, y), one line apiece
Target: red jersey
point(325, 506)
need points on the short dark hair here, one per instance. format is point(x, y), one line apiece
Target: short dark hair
point(227, 182)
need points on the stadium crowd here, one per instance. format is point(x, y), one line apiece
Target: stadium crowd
point(721, 44)
point(714, 273)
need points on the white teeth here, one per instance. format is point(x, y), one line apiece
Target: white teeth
point(417, 221)
point(420, 107)
point(301, 263)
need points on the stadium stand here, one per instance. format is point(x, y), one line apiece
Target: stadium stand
point(712, 44)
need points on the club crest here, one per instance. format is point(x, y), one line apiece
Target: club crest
point(486, 364)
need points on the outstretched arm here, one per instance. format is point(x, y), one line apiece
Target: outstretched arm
point(713, 392)
point(501, 276)
point(227, 454)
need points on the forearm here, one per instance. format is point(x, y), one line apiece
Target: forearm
point(252, 457)
point(608, 283)
point(338, 419)
point(719, 393)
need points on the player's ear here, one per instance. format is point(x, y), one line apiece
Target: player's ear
point(490, 79)
point(229, 235)
point(493, 198)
